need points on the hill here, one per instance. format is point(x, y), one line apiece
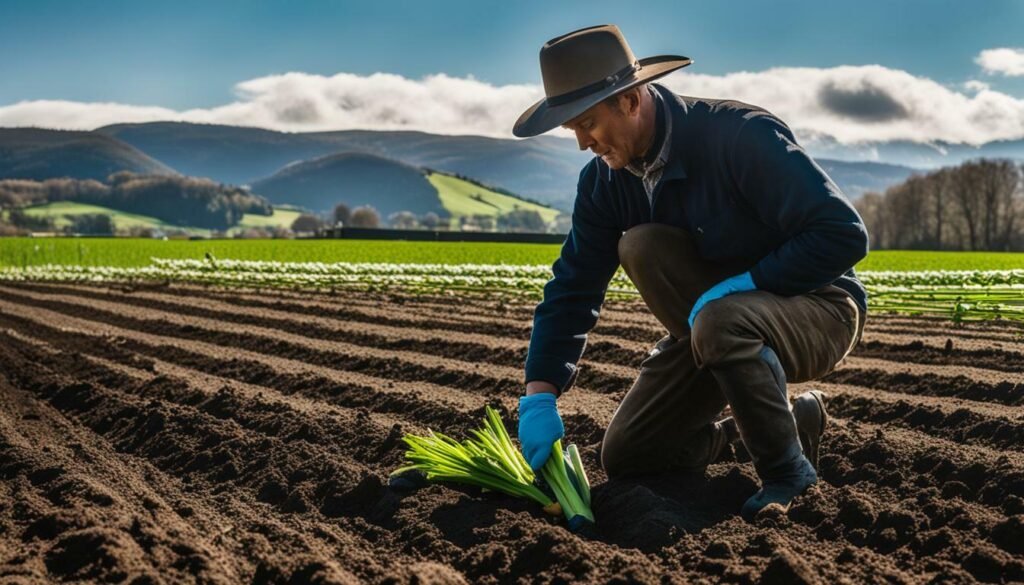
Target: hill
point(355, 179)
point(857, 178)
point(466, 198)
point(38, 154)
point(544, 168)
point(61, 212)
point(358, 178)
point(171, 198)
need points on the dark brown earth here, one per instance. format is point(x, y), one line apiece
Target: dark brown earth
point(188, 434)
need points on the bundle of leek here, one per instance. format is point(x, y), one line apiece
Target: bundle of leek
point(491, 462)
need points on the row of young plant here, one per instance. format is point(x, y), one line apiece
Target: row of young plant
point(961, 295)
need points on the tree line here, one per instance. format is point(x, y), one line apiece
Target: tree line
point(978, 205)
point(186, 201)
point(366, 216)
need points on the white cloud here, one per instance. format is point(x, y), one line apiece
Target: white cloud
point(866, 104)
point(1005, 60)
point(975, 85)
point(839, 106)
point(300, 102)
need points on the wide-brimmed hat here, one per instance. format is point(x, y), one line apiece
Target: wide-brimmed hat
point(582, 68)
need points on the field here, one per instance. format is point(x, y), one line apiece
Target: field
point(185, 433)
point(461, 198)
point(138, 252)
point(60, 211)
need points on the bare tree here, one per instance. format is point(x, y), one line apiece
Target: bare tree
point(342, 214)
point(430, 220)
point(403, 220)
point(522, 220)
point(974, 206)
point(365, 217)
point(307, 223)
point(870, 206)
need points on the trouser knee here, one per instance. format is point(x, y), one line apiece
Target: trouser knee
point(718, 336)
point(642, 247)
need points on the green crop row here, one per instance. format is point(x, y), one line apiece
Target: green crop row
point(960, 295)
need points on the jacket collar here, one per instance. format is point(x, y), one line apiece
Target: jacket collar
point(678, 109)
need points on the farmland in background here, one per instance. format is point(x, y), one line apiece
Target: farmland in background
point(462, 198)
point(137, 252)
point(59, 212)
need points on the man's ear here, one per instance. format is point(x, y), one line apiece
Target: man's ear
point(631, 100)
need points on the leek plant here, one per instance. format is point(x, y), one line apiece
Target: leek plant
point(490, 461)
point(569, 482)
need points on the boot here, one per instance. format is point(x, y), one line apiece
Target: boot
point(756, 392)
point(811, 418)
point(781, 489)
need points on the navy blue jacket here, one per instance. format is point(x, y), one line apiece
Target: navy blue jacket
point(740, 184)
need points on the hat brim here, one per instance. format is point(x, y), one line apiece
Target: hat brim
point(541, 117)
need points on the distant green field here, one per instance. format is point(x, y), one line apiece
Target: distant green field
point(60, 210)
point(462, 198)
point(282, 217)
point(907, 260)
point(137, 252)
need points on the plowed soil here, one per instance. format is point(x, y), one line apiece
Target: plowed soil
point(185, 434)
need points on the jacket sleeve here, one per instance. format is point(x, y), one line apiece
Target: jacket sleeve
point(792, 194)
point(573, 297)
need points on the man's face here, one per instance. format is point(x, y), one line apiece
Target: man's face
point(609, 131)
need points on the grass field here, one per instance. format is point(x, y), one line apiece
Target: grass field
point(60, 211)
point(137, 252)
point(462, 198)
point(282, 217)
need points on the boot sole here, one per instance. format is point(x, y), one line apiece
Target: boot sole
point(811, 444)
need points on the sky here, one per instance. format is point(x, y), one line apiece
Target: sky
point(846, 73)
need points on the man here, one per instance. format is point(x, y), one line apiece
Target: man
point(738, 242)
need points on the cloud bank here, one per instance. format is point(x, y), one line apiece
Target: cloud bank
point(847, 105)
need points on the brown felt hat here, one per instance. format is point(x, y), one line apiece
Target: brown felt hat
point(582, 68)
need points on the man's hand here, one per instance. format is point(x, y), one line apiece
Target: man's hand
point(540, 426)
point(734, 284)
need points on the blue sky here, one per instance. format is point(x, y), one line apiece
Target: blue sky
point(189, 54)
point(471, 67)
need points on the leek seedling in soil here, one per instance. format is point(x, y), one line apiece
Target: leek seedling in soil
point(568, 490)
point(490, 461)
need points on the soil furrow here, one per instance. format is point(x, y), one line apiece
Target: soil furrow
point(961, 421)
point(585, 413)
point(74, 494)
point(212, 457)
point(931, 380)
point(929, 351)
point(394, 364)
point(282, 411)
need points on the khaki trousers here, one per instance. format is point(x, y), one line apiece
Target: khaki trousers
point(667, 419)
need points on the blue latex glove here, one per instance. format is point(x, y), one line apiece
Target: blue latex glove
point(734, 284)
point(540, 426)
